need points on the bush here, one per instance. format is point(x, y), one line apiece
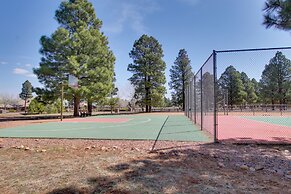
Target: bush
point(54, 107)
point(36, 107)
point(51, 108)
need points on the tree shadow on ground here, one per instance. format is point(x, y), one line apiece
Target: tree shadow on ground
point(194, 170)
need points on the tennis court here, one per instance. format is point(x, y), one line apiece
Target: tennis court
point(255, 128)
point(129, 127)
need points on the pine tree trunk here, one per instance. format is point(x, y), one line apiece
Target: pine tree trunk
point(90, 107)
point(76, 105)
point(146, 95)
point(149, 100)
point(183, 96)
point(25, 105)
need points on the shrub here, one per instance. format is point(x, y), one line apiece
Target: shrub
point(36, 107)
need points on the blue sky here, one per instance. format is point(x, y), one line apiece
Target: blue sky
point(196, 25)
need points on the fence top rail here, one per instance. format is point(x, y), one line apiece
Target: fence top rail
point(253, 49)
point(203, 64)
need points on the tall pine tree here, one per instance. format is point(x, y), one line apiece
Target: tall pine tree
point(78, 48)
point(231, 82)
point(180, 75)
point(249, 88)
point(148, 70)
point(275, 80)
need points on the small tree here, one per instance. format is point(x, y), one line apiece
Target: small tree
point(113, 103)
point(36, 107)
point(26, 93)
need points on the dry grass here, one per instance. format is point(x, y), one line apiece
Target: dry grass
point(88, 166)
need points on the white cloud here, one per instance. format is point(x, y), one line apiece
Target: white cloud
point(24, 72)
point(3, 62)
point(28, 65)
point(20, 71)
point(131, 15)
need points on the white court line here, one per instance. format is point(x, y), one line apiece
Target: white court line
point(76, 129)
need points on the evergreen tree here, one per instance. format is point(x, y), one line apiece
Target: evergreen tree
point(249, 88)
point(278, 14)
point(275, 80)
point(148, 70)
point(257, 89)
point(26, 92)
point(208, 91)
point(231, 82)
point(78, 48)
point(180, 75)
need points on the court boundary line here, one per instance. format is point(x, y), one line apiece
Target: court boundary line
point(263, 122)
point(78, 129)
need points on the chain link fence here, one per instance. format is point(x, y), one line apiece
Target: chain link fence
point(243, 95)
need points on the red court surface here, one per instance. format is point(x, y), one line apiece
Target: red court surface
point(232, 128)
point(96, 120)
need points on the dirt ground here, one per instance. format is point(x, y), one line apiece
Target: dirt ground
point(104, 166)
point(99, 166)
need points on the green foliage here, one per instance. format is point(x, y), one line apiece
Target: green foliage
point(113, 103)
point(180, 75)
point(167, 102)
point(54, 107)
point(78, 48)
point(278, 14)
point(208, 90)
point(36, 107)
point(275, 80)
point(26, 92)
point(148, 70)
point(257, 89)
point(231, 81)
point(51, 108)
point(249, 88)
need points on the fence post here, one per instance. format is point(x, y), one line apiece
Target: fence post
point(215, 96)
point(195, 103)
point(190, 100)
point(201, 97)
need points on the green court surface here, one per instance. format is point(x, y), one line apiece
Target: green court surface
point(276, 120)
point(136, 127)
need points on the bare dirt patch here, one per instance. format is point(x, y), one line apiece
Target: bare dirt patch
point(99, 166)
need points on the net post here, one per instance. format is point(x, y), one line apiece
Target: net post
point(215, 95)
